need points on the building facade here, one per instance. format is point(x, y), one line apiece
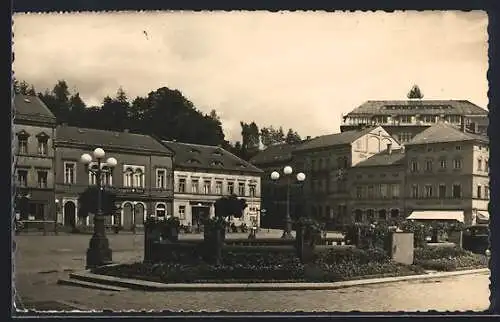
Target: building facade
point(447, 169)
point(204, 174)
point(405, 119)
point(328, 160)
point(275, 158)
point(34, 133)
point(142, 180)
point(376, 187)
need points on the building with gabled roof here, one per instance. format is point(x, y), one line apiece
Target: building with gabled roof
point(142, 180)
point(447, 170)
point(205, 173)
point(34, 133)
point(404, 119)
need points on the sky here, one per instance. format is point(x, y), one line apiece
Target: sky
point(299, 70)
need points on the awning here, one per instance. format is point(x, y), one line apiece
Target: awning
point(483, 216)
point(437, 215)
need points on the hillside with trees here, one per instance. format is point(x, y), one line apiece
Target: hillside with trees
point(165, 113)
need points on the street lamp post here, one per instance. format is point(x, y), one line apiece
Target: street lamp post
point(98, 253)
point(287, 171)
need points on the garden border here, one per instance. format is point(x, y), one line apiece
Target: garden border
point(136, 284)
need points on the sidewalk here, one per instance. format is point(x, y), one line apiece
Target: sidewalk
point(135, 284)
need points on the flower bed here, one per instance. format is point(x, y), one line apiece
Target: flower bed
point(335, 264)
point(448, 259)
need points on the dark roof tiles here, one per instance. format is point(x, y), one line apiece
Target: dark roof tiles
point(104, 138)
point(383, 159)
point(275, 154)
point(457, 107)
point(196, 156)
point(342, 138)
point(26, 106)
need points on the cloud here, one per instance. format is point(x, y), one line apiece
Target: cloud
point(299, 70)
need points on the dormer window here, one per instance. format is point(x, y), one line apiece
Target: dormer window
point(217, 153)
point(43, 140)
point(216, 163)
point(241, 165)
point(194, 151)
point(193, 161)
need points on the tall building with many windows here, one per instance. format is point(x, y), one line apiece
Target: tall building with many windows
point(34, 133)
point(405, 119)
point(447, 170)
point(142, 180)
point(204, 174)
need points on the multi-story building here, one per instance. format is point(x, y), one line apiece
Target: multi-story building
point(447, 169)
point(142, 180)
point(327, 161)
point(376, 187)
point(405, 119)
point(34, 132)
point(275, 158)
point(204, 174)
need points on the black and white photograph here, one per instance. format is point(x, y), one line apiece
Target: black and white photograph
point(250, 161)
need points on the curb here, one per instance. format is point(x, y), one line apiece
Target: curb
point(155, 286)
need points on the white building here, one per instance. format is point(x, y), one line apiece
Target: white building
point(203, 174)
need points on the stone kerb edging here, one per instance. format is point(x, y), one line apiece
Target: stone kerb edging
point(155, 286)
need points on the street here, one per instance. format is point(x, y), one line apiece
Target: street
point(41, 260)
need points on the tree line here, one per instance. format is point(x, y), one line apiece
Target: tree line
point(164, 113)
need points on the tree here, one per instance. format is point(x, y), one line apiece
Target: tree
point(230, 206)
point(88, 202)
point(292, 137)
point(271, 136)
point(23, 88)
point(415, 93)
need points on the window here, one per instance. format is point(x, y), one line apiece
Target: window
point(428, 165)
point(404, 137)
point(394, 213)
point(42, 145)
point(442, 191)
point(22, 144)
point(428, 119)
point(313, 164)
point(442, 163)
point(218, 187)
point(195, 184)
point(107, 177)
point(69, 172)
point(160, 210)
point(182, 212)
point(428, 191)
point(182, 185)
point(395, 191)
point(457, 164)
point(486, 166)
point(161, 178)
point(479, 165)
point(138, 178)
point(414, 191)
point(128, 177)
point(252, 189)
point(22, 178)
point(486, 192)
point(358, 215)
point(406, 119)
point(42, 179)
point(370, 215)
point(458, 147)
point(241, 188)
point(382, 214)
point(457, 191)
point(206, 187)
point(383, 191)
point(370, 192)
point(479, 191)
point(359, 192)
point(455, 119)
point(230, 188)
point(414, 166)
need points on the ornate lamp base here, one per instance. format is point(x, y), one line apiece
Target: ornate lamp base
point(98, 253)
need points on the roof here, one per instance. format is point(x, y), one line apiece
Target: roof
point(444, 132)
point(197, 156)
point(342, 138)
point(383, 159)
point(32, 107)
point(456, 107)
point(275, 153)
point(437, 215)
point(111, 139)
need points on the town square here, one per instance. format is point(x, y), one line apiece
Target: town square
point(163, 194)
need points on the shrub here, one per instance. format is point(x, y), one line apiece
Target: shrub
point(366, 235)
point(351, 255)
point(426, 253)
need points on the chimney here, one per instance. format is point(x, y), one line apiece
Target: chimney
point(389, 148)
point(125, 130)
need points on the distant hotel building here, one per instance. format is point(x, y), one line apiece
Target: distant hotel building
point(34, 133)
point(204, 174)
point(405, 119)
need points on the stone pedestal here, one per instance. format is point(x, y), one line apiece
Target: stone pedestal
point(400, 247)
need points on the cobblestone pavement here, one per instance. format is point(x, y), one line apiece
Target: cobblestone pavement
point(41, 260)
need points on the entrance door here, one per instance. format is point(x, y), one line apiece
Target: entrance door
point(69, 214)
point(198, 215)
point(127, 216)
point(139, 215)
